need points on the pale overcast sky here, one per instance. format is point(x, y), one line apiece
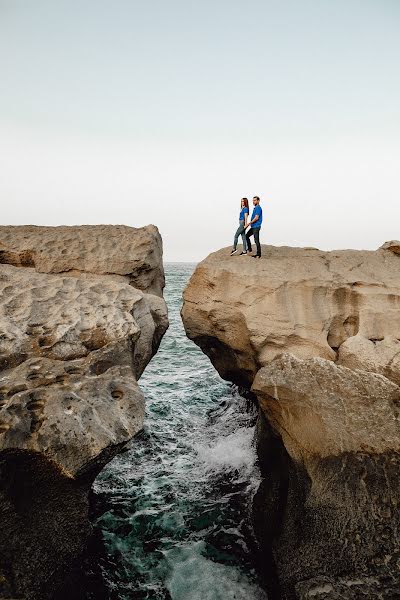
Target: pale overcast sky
point(168, 112)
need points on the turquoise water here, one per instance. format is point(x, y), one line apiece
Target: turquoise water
point(176, 523)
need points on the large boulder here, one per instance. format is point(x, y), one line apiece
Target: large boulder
point(81, 315)
point(316, 337)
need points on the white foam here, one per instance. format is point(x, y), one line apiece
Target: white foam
point(234, 451)
point(194, 577)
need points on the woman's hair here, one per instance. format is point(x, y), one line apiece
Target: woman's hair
point(246, 202)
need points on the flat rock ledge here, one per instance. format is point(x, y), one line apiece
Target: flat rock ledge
point(81, 315)
point(316, 337)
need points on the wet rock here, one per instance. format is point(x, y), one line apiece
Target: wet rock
point(325, 588)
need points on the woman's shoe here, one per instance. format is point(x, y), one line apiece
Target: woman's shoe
point(233, 252)
point(242, 253)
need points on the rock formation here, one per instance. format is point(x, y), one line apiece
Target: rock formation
point(316, 337)
point(81, 315)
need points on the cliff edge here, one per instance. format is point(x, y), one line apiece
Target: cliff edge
point(316, 337)
point(81, 315)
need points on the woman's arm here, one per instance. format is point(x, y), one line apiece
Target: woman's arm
point(253, 221)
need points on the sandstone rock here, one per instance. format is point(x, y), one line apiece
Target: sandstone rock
point(135, 254)
point(81, 315)
point(375, 355)
point(321, 409)
point(316, 336)
point(393, 246)
point(341, 431)
point(306, 302)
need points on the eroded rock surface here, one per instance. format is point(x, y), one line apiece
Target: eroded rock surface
point(81, 315)
point(134, 254)
point(316, 337)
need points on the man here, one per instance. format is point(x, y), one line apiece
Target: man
point(255, 226)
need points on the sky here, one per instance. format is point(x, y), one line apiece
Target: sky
point(131, 112)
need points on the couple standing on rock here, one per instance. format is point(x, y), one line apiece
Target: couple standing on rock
point(254, 224)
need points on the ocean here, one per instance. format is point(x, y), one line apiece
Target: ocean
point(175, 506)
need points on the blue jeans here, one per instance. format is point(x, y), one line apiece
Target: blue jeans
point(240, 231)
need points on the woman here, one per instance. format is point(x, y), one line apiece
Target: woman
point(244, 213)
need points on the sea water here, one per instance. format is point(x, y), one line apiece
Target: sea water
point(176, 505)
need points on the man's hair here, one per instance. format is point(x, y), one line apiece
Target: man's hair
point(246, 202)
point(256, 198)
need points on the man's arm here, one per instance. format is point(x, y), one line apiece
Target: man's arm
point(253, 221)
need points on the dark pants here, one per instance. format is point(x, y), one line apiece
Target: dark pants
point(256, 232)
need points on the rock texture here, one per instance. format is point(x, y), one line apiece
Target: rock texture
point(316, 337)
point(81, 315)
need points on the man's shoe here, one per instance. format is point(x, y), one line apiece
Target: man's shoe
point(256, 256)
point(233, 252)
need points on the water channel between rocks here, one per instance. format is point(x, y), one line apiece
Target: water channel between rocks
point(176, 523)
